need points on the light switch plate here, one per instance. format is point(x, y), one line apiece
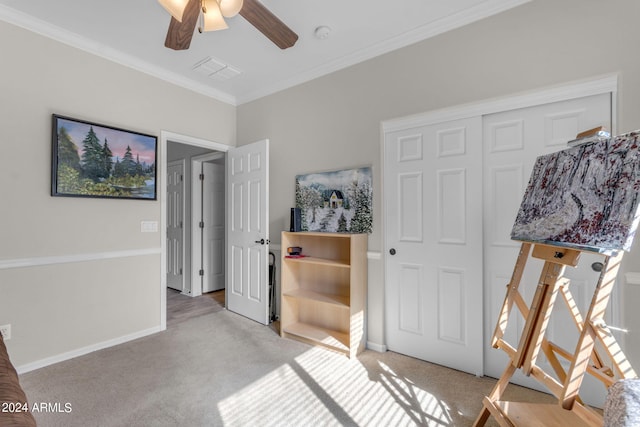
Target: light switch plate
point(149, 226)
point(5, 331)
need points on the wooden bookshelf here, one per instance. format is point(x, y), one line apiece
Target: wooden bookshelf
point(323, 293)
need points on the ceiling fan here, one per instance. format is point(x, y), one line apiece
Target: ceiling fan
point(185, 14)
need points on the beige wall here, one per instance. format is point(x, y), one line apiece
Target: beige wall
point(334, 122)
point(60, 308)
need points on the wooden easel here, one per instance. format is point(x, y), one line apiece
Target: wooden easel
point(595, 344)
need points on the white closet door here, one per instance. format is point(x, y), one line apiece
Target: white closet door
point(213, 209)
point(175, 225)
point(433, 243)
point(512, 142)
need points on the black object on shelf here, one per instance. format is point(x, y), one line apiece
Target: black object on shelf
point(296, 220)
point(294, 250)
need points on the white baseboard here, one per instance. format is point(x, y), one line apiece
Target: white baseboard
point(85, 350)
point(380, 348)
point(632, 278)
point(377, 255)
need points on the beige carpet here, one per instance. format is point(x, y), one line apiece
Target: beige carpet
point(221, 369)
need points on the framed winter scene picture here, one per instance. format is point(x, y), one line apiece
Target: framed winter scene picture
point(93, 160)
point(337, 201)
point(586, 196)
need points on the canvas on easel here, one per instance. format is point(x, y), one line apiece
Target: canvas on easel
point(585, 196)
point(583, 199)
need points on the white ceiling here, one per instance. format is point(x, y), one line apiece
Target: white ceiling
point(132, 32)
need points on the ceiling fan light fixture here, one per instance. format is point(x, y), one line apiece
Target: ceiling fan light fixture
point(230, 8)
point(174, 7)
point(212, 17)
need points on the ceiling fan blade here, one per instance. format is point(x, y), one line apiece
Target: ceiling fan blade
point(180, 33)
point(268, 24)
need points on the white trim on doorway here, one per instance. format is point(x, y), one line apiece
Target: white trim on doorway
point(165, 137)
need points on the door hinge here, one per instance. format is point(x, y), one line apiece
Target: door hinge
point(181, 177)
point(201, 272)
point(201, 177)
point(180, 271)
point(201, 225)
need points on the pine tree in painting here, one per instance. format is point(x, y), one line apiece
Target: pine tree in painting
point(139, 168)
point(92, 156)
point(117, 168)
point(128, 164)
point(300, 204)
point(107, 162)
point(342, 223)
point(361, 196)
point(67, 150)
point(309, 200)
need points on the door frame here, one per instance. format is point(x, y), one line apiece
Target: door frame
point(165, 137)
point(593, 86)
point(196, 209)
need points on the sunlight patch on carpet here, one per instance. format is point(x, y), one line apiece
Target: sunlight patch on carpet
point(320, 387)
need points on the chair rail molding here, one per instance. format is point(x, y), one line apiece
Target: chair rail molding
point(73, 258)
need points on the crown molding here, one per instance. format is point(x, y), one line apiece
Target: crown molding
point(69, 38)
point(451, 22)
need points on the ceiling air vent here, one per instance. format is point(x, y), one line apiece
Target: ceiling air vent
point(215, 69)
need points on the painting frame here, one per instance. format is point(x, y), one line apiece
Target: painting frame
point(338, 201)
point(94, 160)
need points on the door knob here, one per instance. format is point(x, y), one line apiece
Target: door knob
point(261, 241)
point(392, 251)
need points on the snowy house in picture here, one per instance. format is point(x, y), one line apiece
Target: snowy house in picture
point(336, 199)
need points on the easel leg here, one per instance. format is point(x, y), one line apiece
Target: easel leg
point(586, 342)
point(496, 394)
point(512, 292)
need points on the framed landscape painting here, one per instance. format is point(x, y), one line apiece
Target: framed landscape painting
point(586, 196)
point(94, 160)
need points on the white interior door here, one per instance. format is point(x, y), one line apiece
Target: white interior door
point(213, 226)
point(247, 172)
point(512, 141)
point(175, 225)
point(433, 243)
